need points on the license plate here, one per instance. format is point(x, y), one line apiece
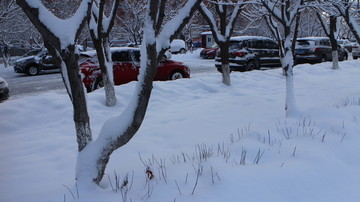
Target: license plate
point(300, 52)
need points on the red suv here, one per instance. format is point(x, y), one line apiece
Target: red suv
point(126, 64)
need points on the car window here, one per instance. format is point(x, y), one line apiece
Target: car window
point(136, 56)
point(259, 44)
point(271, 44)
point(325, 42)
point(120, 56)
point(235, 45)
point(303, 43)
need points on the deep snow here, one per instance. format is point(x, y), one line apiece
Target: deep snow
point(311, 157)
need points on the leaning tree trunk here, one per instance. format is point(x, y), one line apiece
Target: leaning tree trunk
point(142, 99)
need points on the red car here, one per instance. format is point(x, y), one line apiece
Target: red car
point(209, 53)
point(126, 64)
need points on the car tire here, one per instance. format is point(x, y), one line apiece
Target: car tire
point(251, 65)
point(323, 59)
point(182, 51)
point(99, 83)
point(176, 75)
point(33, 70)
point(355, 58)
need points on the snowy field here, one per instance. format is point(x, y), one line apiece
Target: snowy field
point(202, 140)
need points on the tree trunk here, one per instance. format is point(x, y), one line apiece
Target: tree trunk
point(140, 110)
point(288, 62)
point(81, 116)
point(108, 76)
point(334, 45)
point(225, 67)
point(103, 55)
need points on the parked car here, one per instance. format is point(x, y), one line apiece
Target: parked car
point(4, 90)
point(346, 44)
point(251, 52)
point(343, 53)
point(34, 64)
point(316, 49)
point(356, 53)
point(209, 53)
point(313, 49)
point(126, 65)
point(178, 46)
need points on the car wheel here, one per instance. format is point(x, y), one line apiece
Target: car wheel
point(182, 51)
point(99, 83)
point(355, 58)
point(323, 59)
point(33, 70)
point(176, 75)
point(251, 65)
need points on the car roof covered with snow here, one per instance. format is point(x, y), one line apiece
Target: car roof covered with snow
point(312, 38)
point(242, 38)
point(92, 53)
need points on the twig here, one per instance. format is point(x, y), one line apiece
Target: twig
point(178, 187)
point(69, 191)
point(196, 182)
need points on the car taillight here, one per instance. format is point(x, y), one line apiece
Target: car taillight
point(316, 49)
point(239, 54)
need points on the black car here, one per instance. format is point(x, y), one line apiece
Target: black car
point(251, 52)
point(33, 65)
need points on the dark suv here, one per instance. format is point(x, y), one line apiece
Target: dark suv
point(316, 49)
point(313, 50)
point(33, 65)
point(251, 52)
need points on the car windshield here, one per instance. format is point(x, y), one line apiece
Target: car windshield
point(214, 46)
point(32, 52)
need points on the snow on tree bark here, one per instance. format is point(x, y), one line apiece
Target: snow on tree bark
point(285, 13)
point(61, 44)
point(118, 131)
point(100, 27)
point(222, 35)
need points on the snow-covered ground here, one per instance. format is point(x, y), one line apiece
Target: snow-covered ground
point(202, 140)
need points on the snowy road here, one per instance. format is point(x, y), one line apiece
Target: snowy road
point(21, 84)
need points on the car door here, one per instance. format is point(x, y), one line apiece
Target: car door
point(327, 48)
point(257, 47)
point(47, 61)
point(124, 69)
point(272, 54)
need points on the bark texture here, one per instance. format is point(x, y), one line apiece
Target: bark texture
point(68, 58)
point(100, 37)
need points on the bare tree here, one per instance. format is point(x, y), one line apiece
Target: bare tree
point(327, 17)
point(100, 27)
point(61, 45)
point(92, 160)
point(349, 10)
point(116, 132)
point(131, 20)
point(223, 33)
point(285, 14)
